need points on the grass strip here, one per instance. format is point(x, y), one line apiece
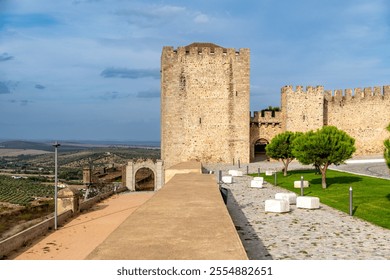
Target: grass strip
point(371, 196)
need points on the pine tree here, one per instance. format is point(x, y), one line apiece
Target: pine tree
point(324, 147)
point(280, 148)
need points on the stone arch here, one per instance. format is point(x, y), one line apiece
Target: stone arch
point(142, 179)
point(155, 166)
point(259, 149)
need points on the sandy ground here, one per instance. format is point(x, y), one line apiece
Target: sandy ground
point(76, 239)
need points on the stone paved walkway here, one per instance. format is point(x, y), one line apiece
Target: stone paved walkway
point(301, 234)
point(379, 170)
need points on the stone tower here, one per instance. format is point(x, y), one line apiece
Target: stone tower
point(204, 104)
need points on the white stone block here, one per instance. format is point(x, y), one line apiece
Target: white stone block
point(308, 202)
point(256, 184)
point(297, 184)
point(227, 179)
point(277, 205)
point(258, 179)
point(268, 173)
point(290, 197)
point(236, 173)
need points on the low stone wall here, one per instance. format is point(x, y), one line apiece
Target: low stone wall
point(23, 238)
point(84, 205)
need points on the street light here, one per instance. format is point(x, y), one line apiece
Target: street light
point(56, 145)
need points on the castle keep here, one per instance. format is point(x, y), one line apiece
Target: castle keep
point(205, 109)
point(204, 104)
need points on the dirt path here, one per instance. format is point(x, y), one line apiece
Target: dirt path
point(79, 237)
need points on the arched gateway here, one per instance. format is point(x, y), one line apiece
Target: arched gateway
point(154, 170)
point(259, 148)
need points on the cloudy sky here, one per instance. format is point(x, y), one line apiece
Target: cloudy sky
point(89, 69)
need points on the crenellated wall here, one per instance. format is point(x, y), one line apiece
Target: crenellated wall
point(362, 113)
point(302, 110)
point(204, 104)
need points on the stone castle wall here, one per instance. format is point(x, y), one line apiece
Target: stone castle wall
point(302, 110)
point(363, 113)
point(204, 104)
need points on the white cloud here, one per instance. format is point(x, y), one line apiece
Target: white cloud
point(371, 8)
point(201, 18)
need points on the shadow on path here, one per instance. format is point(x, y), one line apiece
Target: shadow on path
point(254, 247)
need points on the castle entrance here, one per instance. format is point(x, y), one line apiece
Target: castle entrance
point(259, 149)
point(144, 180)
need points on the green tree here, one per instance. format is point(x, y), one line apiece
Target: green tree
point(324, 147)
point(387, 149)
point(280, 148)
point(270, 109)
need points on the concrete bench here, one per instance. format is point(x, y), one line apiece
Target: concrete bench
point(236, 173)
point(269, 173)
point(308, 202)
point(227, 179)
point(256, 184)
point(297, 184)
point(290, 197)
point(277, 206)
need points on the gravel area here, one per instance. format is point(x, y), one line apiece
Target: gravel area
point(321, 234)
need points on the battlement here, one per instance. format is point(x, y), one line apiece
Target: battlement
point(376, 92)
point(299, 89)
point(268, 117)
point(339, 94)
point(204, 49)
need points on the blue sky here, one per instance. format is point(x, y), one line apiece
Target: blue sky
point(89, 69)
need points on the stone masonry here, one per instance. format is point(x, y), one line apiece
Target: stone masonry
point(204, 104)
point(363, 113)
point(205, 108)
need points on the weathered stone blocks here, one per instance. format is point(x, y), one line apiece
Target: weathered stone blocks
point(308, 202)
point(236, 173)
point(256, 184)
point(277, 206)
point(297, 184)
point(290, 197)
point(258, 179)
point(227, 179)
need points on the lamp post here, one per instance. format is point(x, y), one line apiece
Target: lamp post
point(56, 145)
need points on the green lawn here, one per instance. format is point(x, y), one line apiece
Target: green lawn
point(371, 196)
